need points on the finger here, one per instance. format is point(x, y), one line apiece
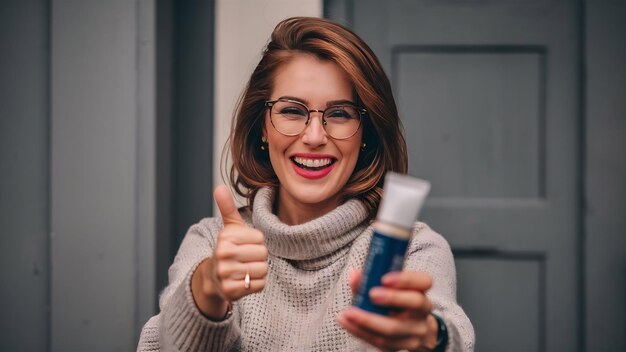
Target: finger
point(379, 324)
point(375, 339)
point(355, 279)
point(415, 301)
point(363, 334)
point(226, 204)
point(241, 253)
point(237, 271)
point(235, 289)
point(241, 235)
point(408, 280)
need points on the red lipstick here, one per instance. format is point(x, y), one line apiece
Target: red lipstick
point(312, 173)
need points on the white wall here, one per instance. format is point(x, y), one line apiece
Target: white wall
point(243, 27)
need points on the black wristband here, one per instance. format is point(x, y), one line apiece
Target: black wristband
point(442, 335)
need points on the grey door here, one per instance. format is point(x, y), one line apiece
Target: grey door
point(488, 93)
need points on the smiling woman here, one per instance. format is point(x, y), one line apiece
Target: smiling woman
point(308, 189)
point(348, 74)
point(314, 134)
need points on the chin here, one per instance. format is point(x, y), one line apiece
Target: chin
point(315, 197)
point(314, 194)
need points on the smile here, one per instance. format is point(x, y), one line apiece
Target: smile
point(312, 164)
point(313, 167)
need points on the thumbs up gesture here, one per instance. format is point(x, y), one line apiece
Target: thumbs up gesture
point(238, 266)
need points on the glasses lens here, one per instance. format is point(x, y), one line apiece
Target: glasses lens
point(289, 117)
point(342, 121)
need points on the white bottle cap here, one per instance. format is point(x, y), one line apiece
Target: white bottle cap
point(402, 199)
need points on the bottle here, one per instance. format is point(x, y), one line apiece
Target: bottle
point(402, 200)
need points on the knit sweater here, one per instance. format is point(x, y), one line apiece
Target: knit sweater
point(306, 288)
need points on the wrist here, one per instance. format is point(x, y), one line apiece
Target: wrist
point(442, 334)
point(206, 296)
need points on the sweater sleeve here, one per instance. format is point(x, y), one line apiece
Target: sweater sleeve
point(429, 252)
point(180, 326)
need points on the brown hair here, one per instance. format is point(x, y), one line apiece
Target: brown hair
point(382, 129)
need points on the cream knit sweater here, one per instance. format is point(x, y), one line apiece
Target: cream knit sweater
point(306, 286)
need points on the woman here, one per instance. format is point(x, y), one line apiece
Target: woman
point(313, 136)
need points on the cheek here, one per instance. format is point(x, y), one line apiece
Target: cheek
point(274, 155)
point(351, 153)
point(277, 145)
point(354, 158)
point(353, 148)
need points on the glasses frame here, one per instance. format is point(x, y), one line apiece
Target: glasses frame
point(362, 114)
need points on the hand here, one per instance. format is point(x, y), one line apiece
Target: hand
point(412, 328)
point(239, 250)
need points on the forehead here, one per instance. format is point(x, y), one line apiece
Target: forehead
point(311, 79)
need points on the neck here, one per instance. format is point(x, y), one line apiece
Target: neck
point(292, 212)
point(313, 243)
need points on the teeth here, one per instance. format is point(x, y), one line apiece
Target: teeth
point(313, 162)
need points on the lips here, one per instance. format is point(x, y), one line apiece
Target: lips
point(312, 166)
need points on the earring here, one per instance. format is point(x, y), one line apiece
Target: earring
point(263, 143)
point(363, 146)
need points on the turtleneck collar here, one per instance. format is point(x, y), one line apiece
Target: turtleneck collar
point(314, 242)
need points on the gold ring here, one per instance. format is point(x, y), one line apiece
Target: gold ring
point(246, 280)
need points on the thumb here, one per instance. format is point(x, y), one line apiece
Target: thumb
point(226, 204)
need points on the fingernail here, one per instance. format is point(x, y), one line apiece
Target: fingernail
point(378, 295)
point(348, 314)
point(390, 279)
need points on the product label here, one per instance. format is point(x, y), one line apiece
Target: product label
point(385, 254)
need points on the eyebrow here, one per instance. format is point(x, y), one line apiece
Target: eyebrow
point(328, 103)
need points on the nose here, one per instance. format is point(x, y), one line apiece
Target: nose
point(314, 134)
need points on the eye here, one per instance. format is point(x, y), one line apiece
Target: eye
point(290, 110)
point(338, 113)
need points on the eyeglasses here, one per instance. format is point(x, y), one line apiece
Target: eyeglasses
point(291, 117)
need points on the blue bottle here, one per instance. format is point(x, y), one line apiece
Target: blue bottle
point(403, 199)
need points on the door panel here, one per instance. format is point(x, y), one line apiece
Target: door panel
point(488, 95)
point(502, 132)
point(501, 279)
